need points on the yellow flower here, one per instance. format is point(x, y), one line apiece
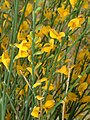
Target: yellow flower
point(5, 6)
point(39, 97)
point(55, 35)
point(63, 70)
point(63, 12)
point(29, 9)
point(49, 104)
point(76, 22)
point(21, 35)
point(24, 26)
point(85, 4)
point(7, 17)
point(72, 96)
point(5, 59)
point(23, 49)
point(48, 14)
point(29, 69)
point(35, 112)
point(19, 67)
point(73, 3)
point(51, 87)
point(20, 92)
point(4, 43)
point(49, 46)
point(21, 54)
point(23, 46)
point(82, 88)
point(8, 116)
point(85, 99)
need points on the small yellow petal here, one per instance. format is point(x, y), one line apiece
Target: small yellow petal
point(43, 79)
point(36, 84)
point(39, 97)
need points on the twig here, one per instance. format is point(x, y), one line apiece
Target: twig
point(27, 82)
point(67, 86)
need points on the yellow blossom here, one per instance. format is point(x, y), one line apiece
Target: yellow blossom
point(35, 112)
point(23, 49)
point(4, 43)
point(7, 17)
point(20, 92)
point(8, 116)
point(72, 96)
point(21, 35)
point(48, 14)
point(51, 87)
point(19, 67)
point(63, 12)
point(23, 46)
point(39, 97)
point(63, 70)
point(55, 35)
point(29, 9)
point(49, 104)
point(73, 3)
point(29, 69)
point(26, 88)
point(76, 22)
point(5, 59)
point(24, 26)
point(5, 6)
point(85, 4)
point(82, 88)
point(21, 54)
point(85, 99)
point(49, 46)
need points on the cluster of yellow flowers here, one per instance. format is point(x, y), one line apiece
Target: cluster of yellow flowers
point(44, 59)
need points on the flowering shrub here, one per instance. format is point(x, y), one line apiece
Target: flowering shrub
point(44, 59)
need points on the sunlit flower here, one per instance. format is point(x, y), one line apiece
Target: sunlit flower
point(39, 97)
point(48, 13)
point(5, 6)
point(51, 87)
point(63, 12)
point(63, 70)
point(35, 112)
point(82, 87)
point(55, 35)
point(49, 104)
point(73, 3)
point(76, 22)
point(21, 54)
point(48, 46)
point(29, 9)
point(24, 26)
point(5, 59)
point(72, 96)
point(23, 46)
